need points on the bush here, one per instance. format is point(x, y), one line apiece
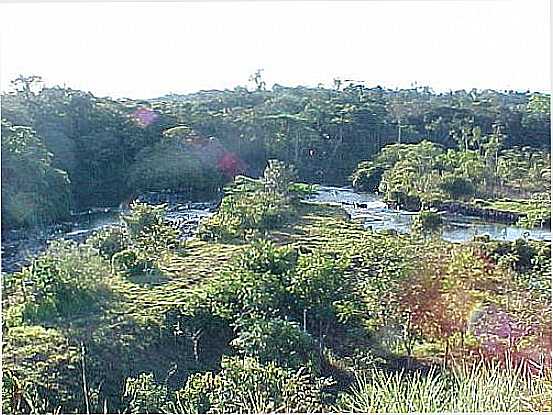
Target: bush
point(457, 187)
point(246, 386)
point(149, 235)
point(144, 396)
point(109, 241)
point(278, 341)
point(263, 256)
point(367, 177)
point(242, 292)
point(131, 262)
point(278, 177)
point(66, 279)
point(321, 289)
point(427, 222)
point(405, 201)
point(243, 214)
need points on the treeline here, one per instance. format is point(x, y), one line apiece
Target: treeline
point(423, 175)
point(110, 149)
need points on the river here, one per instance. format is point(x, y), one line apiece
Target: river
point(19, 246)
point(457, 228)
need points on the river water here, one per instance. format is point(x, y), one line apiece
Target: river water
point(19, 246)
point(457, 228)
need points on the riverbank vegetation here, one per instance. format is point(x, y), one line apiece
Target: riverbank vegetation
point(103, 151)
point(424, 175)
point(314, 313)
point(277, 303)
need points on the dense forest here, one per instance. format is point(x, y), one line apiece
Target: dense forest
point(64, 149)
point(278, 302)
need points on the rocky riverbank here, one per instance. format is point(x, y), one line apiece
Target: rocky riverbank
point(20, 246)
point(488, 214)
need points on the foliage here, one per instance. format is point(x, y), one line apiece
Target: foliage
point(144, 396)
point(246, 386)
point(457, 187)
point(278, 341)
point(427, 222)
point(321, 289)
point(34, 192)
point(367, 177)
point(112, 148)
point(264, 256)
point(475, 388)
point(428, 173)
point(109, 241)
point(168, 165)
point(149, 235)
point(248, 211)
point(131, 262)
point(278, 177)
point(42, 373)
point(66, 279)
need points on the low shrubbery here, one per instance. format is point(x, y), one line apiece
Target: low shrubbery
point(427, 223)
point(252, 207)
point(278, 341)
point(246, 386)
point(67, 279)
point(109, 241)
point(140, 243)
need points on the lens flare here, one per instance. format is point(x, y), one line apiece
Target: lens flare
point(144, 116)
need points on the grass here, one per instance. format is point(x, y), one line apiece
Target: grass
point(126, 337)
point(476, 388)
point(125, 334)
point(515, 206)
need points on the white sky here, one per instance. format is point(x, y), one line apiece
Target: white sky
point(143, 50)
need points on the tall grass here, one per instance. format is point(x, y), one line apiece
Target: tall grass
point(474, 388)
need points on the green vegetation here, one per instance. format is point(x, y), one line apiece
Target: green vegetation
point(315, 316)
point(33, 190)
point(253, 207)
point(277, 305)
point(415, 176)
point(103, 151)
point(67, 279)
point(469, 389)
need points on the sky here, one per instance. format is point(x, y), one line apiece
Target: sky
point(145, 50)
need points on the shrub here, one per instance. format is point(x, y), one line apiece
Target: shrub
point(66, 279)
point(109, 241)
point(403, 200)
point(457, 187)
point(144, 396)
point(241, 214)
point(246, 386)
point(240, 292)
point(278, 177)
point(130, 262)
point(427, 222)
point(149, 235)
point(263, 256)
point(367, 177)
point(320, 286)
point(278, 341)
